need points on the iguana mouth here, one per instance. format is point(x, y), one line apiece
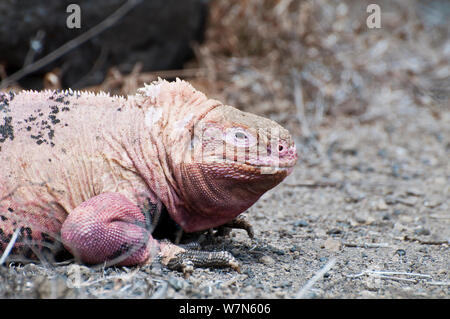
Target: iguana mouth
point(267, 164)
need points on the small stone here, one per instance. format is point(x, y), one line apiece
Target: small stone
point(400, 252)
point(332, 245)
point(379, 205)
point(397, 212)
point(408, 201)
point(353, 195)
point(390, 200)
point(267, 260)
point(301, 223)
point(334, 231)
point(422, 231)
point(294, 249)
point(442, 271)
point(176, 283)
point(432, 202)
point(414, 192)
point(52, 288)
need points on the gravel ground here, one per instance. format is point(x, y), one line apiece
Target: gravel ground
point(369, 200)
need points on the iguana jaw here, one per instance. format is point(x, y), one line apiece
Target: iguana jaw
point(216, 190)
point(215, 193)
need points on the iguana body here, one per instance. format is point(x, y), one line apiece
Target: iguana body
point(91, 170)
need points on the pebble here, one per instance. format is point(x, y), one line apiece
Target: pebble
point(176, 283)
point(294, 248)
point(414, 192)
point(301, 223)
point(334, 231)
point(400, 252)
point(422, 231)
point(380, 205)
point(332, 245)
point(390, 200)
point(408, 201)
point(267, 260)
point(432, 202)
point(353, 195)
point(52, 288)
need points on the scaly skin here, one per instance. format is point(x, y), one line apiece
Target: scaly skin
point(91, 170)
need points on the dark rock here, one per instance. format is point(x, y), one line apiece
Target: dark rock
point(301, 223)
point(334, 231)
point(156, 33)
point(422, 231)
point(400, 252)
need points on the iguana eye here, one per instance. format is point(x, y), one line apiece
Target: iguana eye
point(240, 137)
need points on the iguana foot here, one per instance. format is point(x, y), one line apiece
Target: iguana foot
point(186, 259)
point(240, 223)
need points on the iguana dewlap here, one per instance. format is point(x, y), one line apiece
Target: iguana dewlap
point(91, 170)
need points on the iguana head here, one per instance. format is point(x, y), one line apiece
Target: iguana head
point(217, 160)
point(235, 158)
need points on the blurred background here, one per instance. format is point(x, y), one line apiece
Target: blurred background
point(302, 63)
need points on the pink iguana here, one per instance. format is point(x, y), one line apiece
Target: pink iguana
point(92, 171)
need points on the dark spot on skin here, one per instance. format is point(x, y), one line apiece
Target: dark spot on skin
point(65, 108)
point(54, 119)
point(4, 103)
point(49, 159)
point(54, 109)
point(36, 136)
point(29, 233)
point(52, 144)
point(3, 218)
point(47, 239)
point(6, 129)
point(10, 209)
point(40, 114)
point(31, 118)
point(60, 99)
point(63, 150)
point(119, 109)
point(5, 238)
point(51, 134)
point(28, 128)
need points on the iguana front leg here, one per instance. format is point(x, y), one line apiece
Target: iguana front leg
point(237, 223)
point(110, 228)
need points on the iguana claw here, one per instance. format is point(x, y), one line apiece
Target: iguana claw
point(185, 259)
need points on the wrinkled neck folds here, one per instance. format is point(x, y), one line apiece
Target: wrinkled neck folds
point(170, 111)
